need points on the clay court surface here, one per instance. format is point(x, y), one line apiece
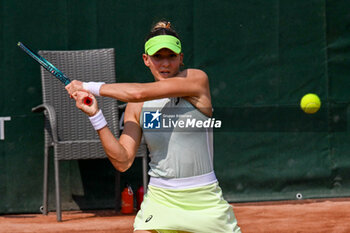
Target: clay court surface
point(326, 215)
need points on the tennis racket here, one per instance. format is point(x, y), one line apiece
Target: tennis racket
point(51, 68)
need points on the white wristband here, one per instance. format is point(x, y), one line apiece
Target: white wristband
point(98, 121)
point(93, 87)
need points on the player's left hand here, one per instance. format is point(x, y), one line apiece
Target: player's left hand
point(74, 86)
point(79, 97)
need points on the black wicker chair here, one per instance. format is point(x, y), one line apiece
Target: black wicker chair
point(67, 129)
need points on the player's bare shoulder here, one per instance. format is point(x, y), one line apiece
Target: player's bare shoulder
point(133, 111)
point(193, 73)
point(196, 74)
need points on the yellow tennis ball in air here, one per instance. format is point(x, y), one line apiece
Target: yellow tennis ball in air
point(310, 103)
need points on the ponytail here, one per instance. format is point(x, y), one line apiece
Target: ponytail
point(162, 28)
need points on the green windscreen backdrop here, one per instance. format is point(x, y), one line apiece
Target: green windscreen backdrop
point(261, 58)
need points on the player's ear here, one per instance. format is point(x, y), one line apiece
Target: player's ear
point(145, 58)
point(182, 59)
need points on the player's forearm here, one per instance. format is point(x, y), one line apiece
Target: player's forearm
point(116, 153)
point(126, 92)
point(140, 92)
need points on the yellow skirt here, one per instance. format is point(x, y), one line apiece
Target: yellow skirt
point(199, 210)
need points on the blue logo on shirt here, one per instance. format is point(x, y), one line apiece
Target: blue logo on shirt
point(152, 120)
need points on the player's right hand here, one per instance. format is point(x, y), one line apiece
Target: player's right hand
point(79, 97)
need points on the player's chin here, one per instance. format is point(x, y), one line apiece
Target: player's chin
point(165, 75)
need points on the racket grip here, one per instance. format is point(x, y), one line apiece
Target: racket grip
point(88, 101)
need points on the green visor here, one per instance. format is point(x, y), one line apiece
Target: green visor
point(163, 41)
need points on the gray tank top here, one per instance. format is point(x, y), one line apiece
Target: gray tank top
point(176, 150)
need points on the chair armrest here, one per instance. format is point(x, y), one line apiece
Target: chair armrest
point(121, 118)
point(122, 107)
point(50, 113)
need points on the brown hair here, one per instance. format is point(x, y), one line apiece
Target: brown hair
point(162, 28)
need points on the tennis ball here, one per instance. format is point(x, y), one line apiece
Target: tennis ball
point(310, 103)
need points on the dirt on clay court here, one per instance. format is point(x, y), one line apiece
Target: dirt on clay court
point(323, 215)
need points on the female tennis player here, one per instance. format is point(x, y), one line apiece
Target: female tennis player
point(183, 193)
